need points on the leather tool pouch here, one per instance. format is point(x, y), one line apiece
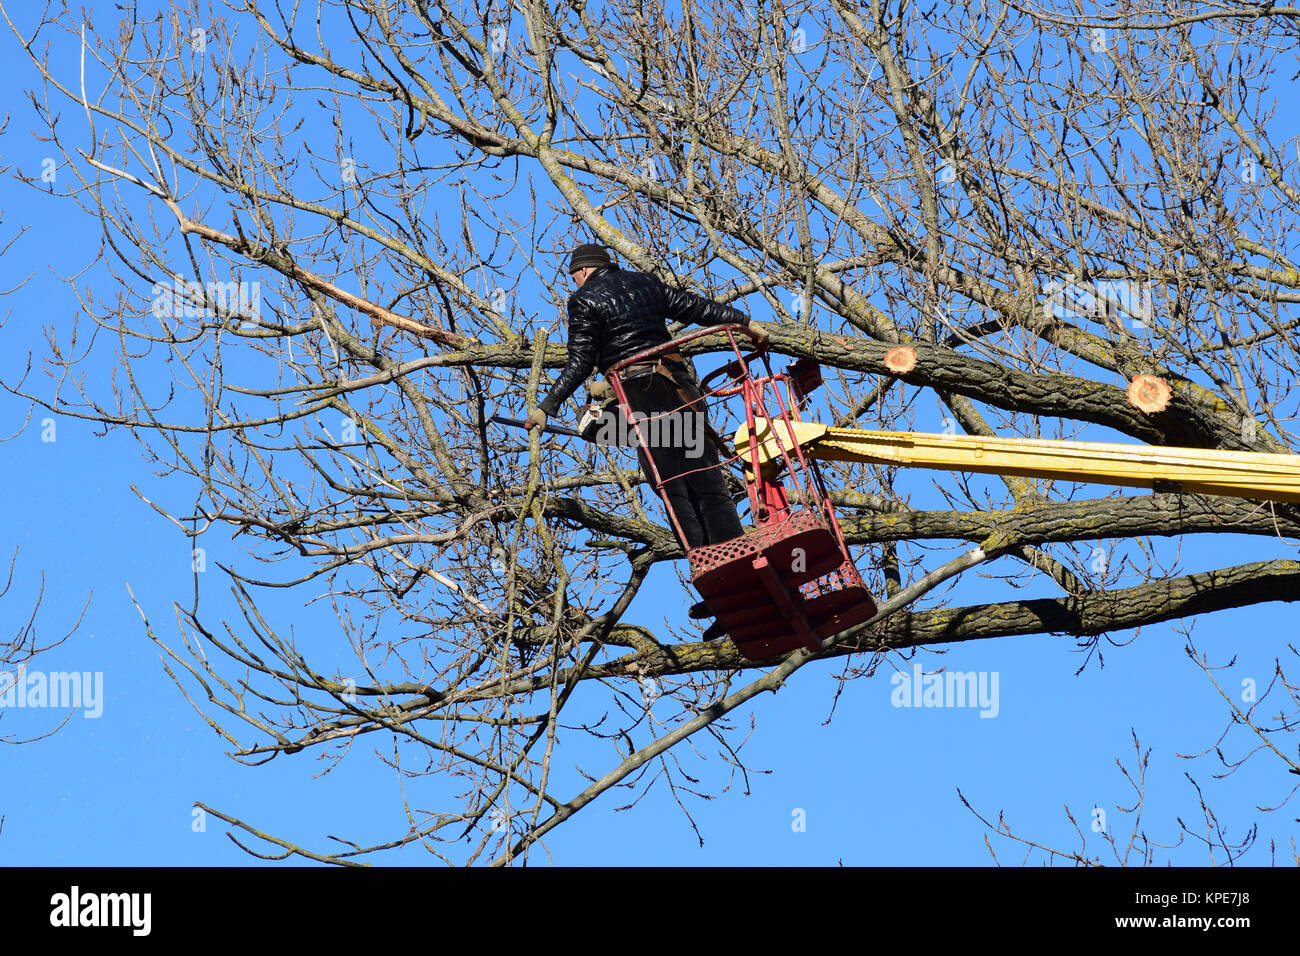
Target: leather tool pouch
point(603, 422)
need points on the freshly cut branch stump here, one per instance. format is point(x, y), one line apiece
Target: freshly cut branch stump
point(1149, 393)
point(901, 359)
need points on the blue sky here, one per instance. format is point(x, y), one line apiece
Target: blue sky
point(876, 785)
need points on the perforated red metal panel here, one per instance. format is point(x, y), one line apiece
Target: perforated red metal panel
point(823, 600)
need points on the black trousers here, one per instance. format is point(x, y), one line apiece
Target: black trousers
point(679, 443)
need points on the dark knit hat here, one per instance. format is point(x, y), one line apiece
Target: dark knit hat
point(589, 254)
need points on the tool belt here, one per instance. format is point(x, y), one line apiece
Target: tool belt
point(646, 367)
point(598, 414)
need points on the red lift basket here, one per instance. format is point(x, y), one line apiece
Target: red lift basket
point(790, 581)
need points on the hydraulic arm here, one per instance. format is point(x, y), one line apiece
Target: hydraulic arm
point(1189, 470)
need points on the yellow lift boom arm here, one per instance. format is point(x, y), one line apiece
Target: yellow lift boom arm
point(1187, 470)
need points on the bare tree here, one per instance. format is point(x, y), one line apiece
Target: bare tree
point(335, 234)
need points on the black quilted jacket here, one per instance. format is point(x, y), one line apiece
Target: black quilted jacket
point(617, 314)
